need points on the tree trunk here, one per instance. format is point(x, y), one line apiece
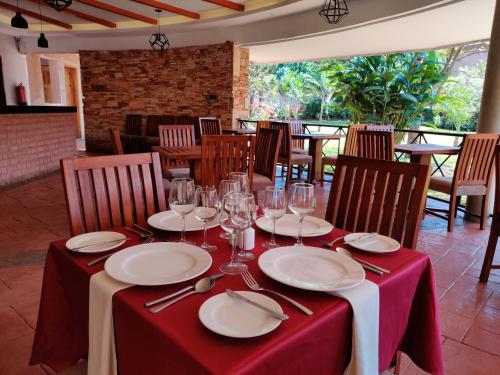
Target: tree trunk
point(321, 111)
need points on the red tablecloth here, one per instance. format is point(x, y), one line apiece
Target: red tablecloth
point(174, 341)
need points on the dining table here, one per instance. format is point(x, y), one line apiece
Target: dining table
point(316, 142)
point(175, 341)
point(247, 131)
point(421, 153)
point(191, 154)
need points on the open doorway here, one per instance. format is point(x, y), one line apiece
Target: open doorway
point(71, 81)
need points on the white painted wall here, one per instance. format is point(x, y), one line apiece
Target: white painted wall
point(14, 68)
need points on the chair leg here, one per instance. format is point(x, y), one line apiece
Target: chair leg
point(282, 169)
point(299, 171)
point(322, 175)
point(289, 170)
point(488, 257)
point(457, 204)
point(451, 213)
point(484, 212)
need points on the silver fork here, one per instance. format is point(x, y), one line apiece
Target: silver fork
point(91, 263)
point(252, 284)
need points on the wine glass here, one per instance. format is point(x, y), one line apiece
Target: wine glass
point(233, 267)
point(302, 202)
point(244, 215)
point(274, 208)
point(181, 200)
point(206, 204)
point(226, 187)
point(242, 178)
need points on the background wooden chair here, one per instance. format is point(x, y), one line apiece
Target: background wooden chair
point(176, 135)
point(266, 156)
point(133, 125)
point(350, 148)
point(386, 197)
point(376, 144)
point(116, 141)
point(380, 128)
point(103, 192)
point(472, 176)
point(298, 145)
point(210, 126)
point(286, 156)
point(223, 154)
point(495, 226)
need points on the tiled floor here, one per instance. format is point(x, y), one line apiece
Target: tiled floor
point(33, 214)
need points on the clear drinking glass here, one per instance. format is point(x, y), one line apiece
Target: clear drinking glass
point(274, 207)
point(206, 207)
point(181, 200)
point(302, 202)
point(233, 267)
point(244, 215)
point(226, 187)
point(242, 178)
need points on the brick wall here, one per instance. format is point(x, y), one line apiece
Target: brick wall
point(177, 82)
point(32, 144)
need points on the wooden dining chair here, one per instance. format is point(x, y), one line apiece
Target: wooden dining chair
point(495, 226)
point(350, 148)
point(116, 141)
point(472, 176)
point(210, 126)
point(298, 145)
point(380, 128)
point(286, 157)
point(152, 124)
point(266, 156)
point(176, 135)
point(133, 124)
point(376, 144)
point(223, 154)
point(382, 196)
point(103, 192)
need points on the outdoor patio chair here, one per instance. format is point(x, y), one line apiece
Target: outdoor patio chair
point(382, 196)
point(223, 154)
point(350, 148)
point(116, 141)
point(104, 192)
point(376, 144)
point(133, 125)
point(266, 156)
point(176, 135)
point(298, 145)
point(380, 128)
point(472, 176)
point(210, 126)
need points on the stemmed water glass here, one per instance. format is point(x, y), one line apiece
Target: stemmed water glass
point(206, 204)
point(226, 187)
point(181, 200)
point(302, 202)
point(244, 213)
point(274, 208)
point(242, 178)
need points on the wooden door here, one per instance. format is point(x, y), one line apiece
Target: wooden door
point(72, 95)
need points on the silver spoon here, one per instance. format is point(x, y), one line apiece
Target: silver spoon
point(369, 266)
point(202, 286)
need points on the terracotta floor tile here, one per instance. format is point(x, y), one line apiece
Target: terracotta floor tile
point(494, 300)
point(470, 287)
point(489, 319)
point(460, 305)
point(461, 359)
point(455, 262)
point(455, 326)
point(11, 325)
point(483, 340)
point(15, 356)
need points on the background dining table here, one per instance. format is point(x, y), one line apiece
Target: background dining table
point(421, 153)
point(175, 341)
point(190, 153)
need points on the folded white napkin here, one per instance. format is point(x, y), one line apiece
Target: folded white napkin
point(102, 353)
point(364, 300)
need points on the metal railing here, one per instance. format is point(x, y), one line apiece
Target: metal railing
point(410, 135)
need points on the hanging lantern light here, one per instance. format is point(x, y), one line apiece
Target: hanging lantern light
point(18, 20)
point(42, 41)
point(158, 40)
point(334, 10)
point(59, 4)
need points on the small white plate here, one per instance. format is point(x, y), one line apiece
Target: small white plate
point(95, 237)
point(311, 268)
point(233, 318)
point(288, 225)
point(373, 244)
point(169, 220)
point(158, 263)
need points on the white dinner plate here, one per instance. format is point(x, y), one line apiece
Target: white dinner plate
point(158, 263)
point(169, 220)
point(230, 317)
point(288, 225)
point(311, 268)
point(376, 243)
point(95, 237)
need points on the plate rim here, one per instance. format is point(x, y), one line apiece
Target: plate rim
point(158, 214)
point(294, 248)
point(150, 245)
point(244, 293)
point(314, 218)
point(374, 251)
point(107, 248)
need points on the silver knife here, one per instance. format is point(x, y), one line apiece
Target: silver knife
point(111, 242)
point(164, 298)
point(137, 226)
point(274, 313)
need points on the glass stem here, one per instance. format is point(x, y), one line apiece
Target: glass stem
point(233, 243)
point(273, 241)
point(183, 233)
point(299, 239)
point(205, 240)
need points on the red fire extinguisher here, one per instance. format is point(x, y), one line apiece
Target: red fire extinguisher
point(21, 94)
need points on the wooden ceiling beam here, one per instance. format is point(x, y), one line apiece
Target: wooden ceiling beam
point(169, 8)
point(117, 10)
point(31, 14)
point(82, 15)
point(227, 4)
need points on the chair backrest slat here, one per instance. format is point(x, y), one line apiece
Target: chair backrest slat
point(386, 197)
point(475, 160)
point(296, 127)
point(223, 154)
point(376, 144)
point(111, 191)
point(210, 126)
point(267, 148)
point(351, 141)
point(286, 138)
point(116, 141)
